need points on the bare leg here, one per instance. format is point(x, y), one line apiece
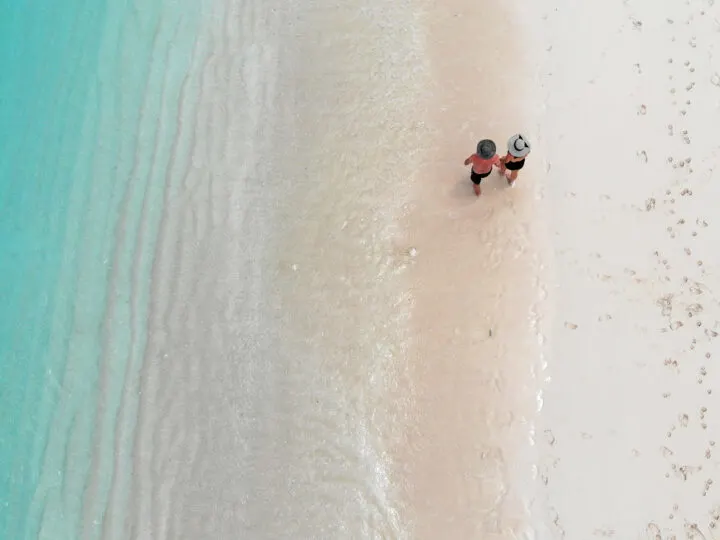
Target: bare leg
point(511, 179)
point(476, 187)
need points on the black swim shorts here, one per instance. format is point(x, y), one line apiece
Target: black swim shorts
point(477, 178)
point(514, 165)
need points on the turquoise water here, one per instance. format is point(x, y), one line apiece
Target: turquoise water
point(89, 144)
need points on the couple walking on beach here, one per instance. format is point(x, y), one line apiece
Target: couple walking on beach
point(486, 157)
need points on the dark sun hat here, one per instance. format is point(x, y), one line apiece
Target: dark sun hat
point(486, 149)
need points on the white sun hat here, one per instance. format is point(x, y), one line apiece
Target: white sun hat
point(518, 146)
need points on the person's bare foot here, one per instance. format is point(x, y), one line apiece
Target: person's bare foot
point(510, 182)
point(477, 189)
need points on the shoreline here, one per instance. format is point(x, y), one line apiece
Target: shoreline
point(327, 381)
point(273, 402)
point(476, 361)
point(376, 366)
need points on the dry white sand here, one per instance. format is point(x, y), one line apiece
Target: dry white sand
point(629, 113)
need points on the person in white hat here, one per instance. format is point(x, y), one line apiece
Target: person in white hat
point(518, 150)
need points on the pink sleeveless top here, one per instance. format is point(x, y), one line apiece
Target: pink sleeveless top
point(482, 166)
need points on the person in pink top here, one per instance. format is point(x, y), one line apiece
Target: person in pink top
point(482, 163)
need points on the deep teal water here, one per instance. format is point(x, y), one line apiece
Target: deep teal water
point(89, 142)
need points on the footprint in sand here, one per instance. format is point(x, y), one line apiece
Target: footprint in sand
point(708, 484)
point(653, 532)
point(550, 437)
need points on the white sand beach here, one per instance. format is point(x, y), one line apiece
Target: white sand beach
point(629, 103)
point(346, 343)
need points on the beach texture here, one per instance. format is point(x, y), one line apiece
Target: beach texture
point(248, 292)
point(630, 97)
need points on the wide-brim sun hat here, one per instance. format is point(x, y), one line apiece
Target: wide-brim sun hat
point(486, 149)
point(518, 146)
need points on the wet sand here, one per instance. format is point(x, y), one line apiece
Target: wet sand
point(476, 290)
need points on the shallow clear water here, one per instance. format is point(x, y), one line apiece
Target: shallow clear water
point(47, 57)
point(88, 108)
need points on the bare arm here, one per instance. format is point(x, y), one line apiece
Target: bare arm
point(469, 159)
